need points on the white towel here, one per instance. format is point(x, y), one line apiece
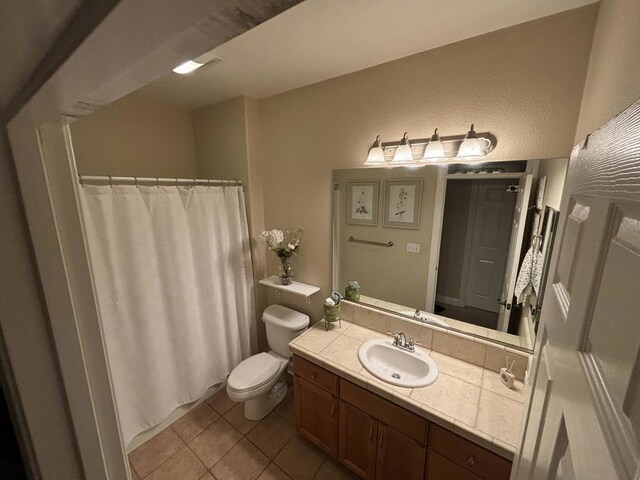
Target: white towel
point(530, 275)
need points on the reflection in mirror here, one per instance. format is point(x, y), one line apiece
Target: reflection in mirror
point(464, 247)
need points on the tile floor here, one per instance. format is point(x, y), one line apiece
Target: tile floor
point(216, 442)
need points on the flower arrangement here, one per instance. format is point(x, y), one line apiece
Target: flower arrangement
point(284, 245)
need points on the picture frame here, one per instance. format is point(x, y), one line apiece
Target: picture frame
point(402, 203)
point(362, 202)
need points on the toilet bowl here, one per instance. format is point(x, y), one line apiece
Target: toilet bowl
point(257, 380)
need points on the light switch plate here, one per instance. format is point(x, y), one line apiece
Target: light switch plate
point(413, 247)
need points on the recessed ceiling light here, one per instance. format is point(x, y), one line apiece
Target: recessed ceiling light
point(196, 63)
point(187, 67)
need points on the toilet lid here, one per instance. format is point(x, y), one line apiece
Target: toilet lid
point(254, 372)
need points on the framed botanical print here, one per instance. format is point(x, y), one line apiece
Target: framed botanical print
point(402, 202)
point(362, 202)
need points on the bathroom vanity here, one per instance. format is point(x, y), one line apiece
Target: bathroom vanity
point(375, 438)
point(385, 432)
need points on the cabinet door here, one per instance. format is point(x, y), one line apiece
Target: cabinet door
point(398, 456)
point(316, 415)
point(357, 441)
point(440, 468)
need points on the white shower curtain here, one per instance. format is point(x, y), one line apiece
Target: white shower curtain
point(172, 273)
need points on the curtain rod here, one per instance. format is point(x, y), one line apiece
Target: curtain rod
point(111, 180)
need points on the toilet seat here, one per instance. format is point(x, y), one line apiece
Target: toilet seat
point(255, 372)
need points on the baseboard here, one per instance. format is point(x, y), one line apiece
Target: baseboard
point(456, 302)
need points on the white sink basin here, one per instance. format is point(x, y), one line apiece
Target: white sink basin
point(426, 316)
point(395, 366)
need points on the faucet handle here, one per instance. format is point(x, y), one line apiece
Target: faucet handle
point(412, 342)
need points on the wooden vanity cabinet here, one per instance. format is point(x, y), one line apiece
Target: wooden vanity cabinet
point(398, 456)
point(374, 450)
point(377, 439)
point(316, 405)
point(358, 437)
point(478, 462)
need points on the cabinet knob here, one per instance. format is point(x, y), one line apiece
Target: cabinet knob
point(333, 410)
point(370, 432)
point(471, 461)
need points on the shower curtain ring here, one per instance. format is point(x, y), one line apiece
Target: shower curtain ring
point(135, 181)
point(110, 182)
point(157, 182)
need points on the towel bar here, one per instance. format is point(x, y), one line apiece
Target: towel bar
point(369, 242)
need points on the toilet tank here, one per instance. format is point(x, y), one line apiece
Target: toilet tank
point(283, 325)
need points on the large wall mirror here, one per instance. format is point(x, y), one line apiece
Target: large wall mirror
point(464, 247)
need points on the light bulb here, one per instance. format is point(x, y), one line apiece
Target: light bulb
point(403, 152)
point(187, 67)
point(376, 153)
point(434, 149)
point(472, 147)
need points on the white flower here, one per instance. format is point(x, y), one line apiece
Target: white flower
point(291, 246)
point(329, 302)
point(273, 238)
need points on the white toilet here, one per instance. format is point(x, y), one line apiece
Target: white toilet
point(255, 380)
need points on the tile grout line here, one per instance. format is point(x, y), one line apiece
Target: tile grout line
point(170, 457)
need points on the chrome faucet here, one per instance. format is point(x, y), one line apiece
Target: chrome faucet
point(400, 341)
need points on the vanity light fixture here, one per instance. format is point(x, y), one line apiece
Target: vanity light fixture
point(403, 152)
point(434, 149)
point(465, 148)
point(472, 148)
point(376, 154)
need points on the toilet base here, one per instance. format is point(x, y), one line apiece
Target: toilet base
point(258, 408)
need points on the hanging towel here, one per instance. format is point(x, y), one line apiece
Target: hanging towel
point(530, 275)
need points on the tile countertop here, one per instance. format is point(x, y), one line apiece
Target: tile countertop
point(466, 399)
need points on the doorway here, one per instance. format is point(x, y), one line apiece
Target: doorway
point(474, 251)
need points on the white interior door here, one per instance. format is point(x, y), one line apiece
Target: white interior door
point(583, 420)
point(494, 210)
point(505, 300)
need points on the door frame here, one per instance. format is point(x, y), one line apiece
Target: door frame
point(438, 219)
point(88, 68)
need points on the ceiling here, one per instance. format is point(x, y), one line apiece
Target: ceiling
point(27, 30)
point(321, 39)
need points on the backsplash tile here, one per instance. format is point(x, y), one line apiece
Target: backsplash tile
point(459, 347)
point(480, 352)
point(417, 331)
point(372, 319)
point(498, 357)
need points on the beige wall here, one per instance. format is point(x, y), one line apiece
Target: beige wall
point(454, 236)
point(555, 169)
point(227, 147)
point(523, 83)
point(613, 79)
point(135, 136)
point(390, 274)
point(220, 135)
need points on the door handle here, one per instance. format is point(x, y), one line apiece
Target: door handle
point(502, 302)
point(333, 410)
point(370, 432)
